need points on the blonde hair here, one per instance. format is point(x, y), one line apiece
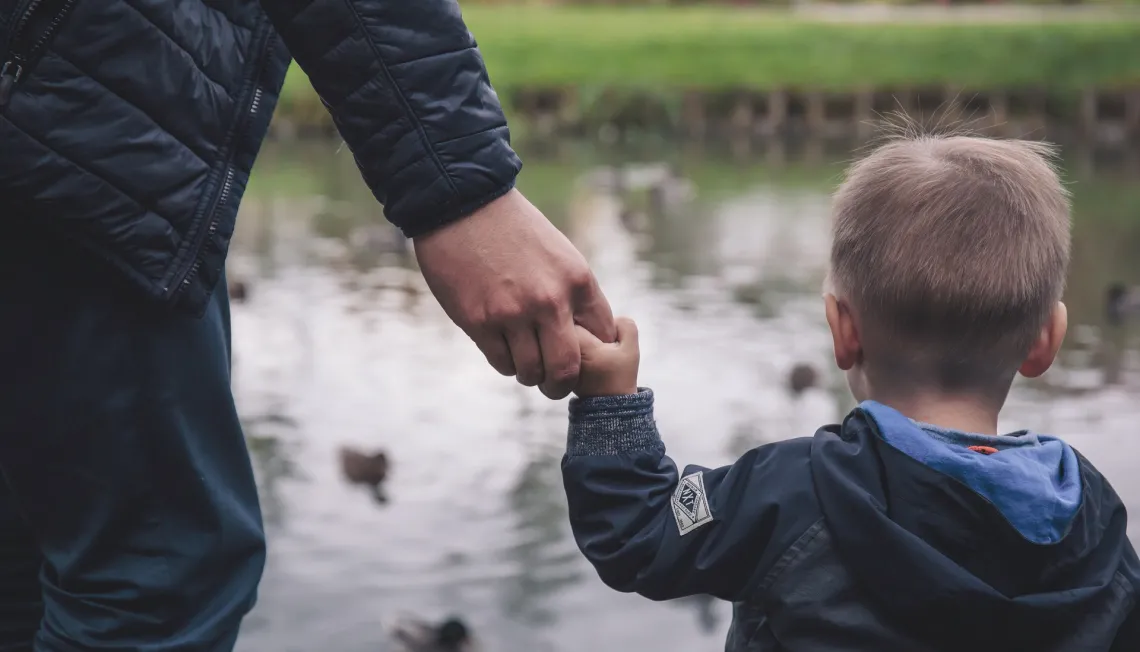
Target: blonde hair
point(953, 252)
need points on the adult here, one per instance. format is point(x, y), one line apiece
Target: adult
point(127, 132)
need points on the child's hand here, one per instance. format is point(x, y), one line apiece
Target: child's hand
point(609, 369)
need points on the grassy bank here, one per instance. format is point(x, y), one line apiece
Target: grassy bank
point(708, 48)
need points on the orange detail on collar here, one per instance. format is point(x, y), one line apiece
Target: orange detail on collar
point(984, 450)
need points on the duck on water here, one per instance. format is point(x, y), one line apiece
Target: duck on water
point(451, 635)
point(370, 470)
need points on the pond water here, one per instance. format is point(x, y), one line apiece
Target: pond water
point(339, 343)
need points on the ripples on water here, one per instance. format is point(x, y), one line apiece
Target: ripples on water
point(340, 343)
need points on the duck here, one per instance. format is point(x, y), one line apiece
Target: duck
point(451, 635)
point(366, 469)
point(238, 290)
point(802, 378)
point(1121, 302)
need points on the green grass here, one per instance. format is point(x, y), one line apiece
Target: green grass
point(725, 48)
point(709, 48)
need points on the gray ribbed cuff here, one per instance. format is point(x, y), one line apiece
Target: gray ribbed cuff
point(608, 425)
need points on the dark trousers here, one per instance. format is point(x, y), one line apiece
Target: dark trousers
point(129, 518)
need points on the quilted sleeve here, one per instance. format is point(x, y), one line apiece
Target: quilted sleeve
point(406, 86)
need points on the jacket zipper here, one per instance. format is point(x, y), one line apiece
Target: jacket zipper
point(227, 184)
point(22, 53)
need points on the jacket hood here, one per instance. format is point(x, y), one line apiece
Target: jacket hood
point(982, 541)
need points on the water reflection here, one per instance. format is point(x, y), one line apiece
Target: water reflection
point(1111, 353)
point(545, 563)
point(719, 256)
point(545, 560)
point(366, 469)
point(268, 437)
point(744, 436)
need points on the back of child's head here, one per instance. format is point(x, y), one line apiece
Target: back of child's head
point(952, 252)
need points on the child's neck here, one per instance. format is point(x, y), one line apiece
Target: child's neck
point(964, 414)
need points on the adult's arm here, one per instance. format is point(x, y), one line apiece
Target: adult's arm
point(408, 91)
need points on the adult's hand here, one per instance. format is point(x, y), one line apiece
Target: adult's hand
point(517, 287)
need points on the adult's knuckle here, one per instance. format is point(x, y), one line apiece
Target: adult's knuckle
point(529, 377)
point(502, 312)
point(565, 372)
point(500, 360)
point(580, 278)
point(471, 318)
point(548, 300)
point(554, 392)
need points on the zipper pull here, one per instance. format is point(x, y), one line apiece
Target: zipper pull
point(10, 73)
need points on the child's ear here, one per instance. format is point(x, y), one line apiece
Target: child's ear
point(844, 333)
point(1044, 350)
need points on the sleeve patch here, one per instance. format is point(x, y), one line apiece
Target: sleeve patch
point(691, 503)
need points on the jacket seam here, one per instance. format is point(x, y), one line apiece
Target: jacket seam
point(181, 47)
point(790, 555)
point(1128, 587)
point(399, 93)
point(228, 18)
point(131, 104)
point(471, 135)
point(368, 80)
point(86, 170)
point(397, 64)
point(350, 95)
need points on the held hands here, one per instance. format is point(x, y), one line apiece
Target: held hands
point(517, 287)
point(609, 369)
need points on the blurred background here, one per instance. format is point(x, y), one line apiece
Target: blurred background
point(688, 149)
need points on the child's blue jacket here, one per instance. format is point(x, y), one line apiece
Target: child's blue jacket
point(880, 534)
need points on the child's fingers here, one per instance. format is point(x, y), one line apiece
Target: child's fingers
point(627, 331)
point(586, 339)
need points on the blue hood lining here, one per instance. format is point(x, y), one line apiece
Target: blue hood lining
point(1033, 480)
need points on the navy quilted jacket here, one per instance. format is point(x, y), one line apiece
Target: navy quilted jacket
point(131, 126)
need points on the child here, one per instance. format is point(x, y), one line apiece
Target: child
point(913, 526)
